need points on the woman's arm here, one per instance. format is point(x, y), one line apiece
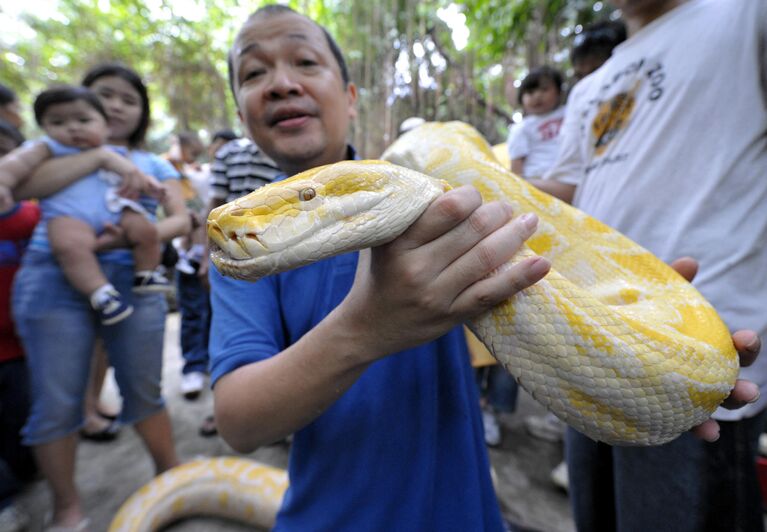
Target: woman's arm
point(60, 172)
point(176, 221)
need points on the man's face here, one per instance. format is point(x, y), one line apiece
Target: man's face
point(289, 91)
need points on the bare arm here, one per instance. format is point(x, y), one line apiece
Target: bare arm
point(518, 165)
point(405, 293)
point(16, 166)
point(56, 174)
point(563, 191)
point(176, 221)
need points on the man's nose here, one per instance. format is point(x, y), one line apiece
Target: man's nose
point(284, 82)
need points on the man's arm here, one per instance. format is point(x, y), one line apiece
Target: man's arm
point(405, 293)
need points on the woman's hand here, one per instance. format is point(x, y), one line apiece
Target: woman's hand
point(111, 237)
point(747, 344)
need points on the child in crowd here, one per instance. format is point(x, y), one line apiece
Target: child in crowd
point(534, 142)
point(74, 120)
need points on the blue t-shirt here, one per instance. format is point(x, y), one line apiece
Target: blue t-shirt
point(401, 450)
point(86, 196)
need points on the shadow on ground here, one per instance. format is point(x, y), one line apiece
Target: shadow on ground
point(107, 474)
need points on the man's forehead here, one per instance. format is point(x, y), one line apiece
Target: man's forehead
point(289, 27)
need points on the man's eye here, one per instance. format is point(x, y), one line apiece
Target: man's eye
point(307, 62)
point(252, 74)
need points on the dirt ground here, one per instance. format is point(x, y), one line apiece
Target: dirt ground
point(107, 474)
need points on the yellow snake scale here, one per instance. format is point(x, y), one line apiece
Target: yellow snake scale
point(612, 341)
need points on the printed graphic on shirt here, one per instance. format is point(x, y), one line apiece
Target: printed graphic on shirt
point(618, 99)
point(549, 129)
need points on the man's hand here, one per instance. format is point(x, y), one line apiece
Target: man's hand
point(747, 344)
point(440, 272)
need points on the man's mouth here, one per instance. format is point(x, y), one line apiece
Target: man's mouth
point(289, 118)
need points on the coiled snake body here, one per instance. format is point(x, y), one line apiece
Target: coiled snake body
point(613, 341)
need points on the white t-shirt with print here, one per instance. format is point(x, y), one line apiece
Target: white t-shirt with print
point(667, 142)
point(537, 139)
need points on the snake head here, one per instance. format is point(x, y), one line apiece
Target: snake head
point(316, 214)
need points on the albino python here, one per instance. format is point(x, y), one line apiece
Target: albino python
point(613, 341)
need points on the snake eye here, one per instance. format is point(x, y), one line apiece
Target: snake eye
point(307, 194)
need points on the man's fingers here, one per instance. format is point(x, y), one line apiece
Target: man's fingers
point(707, 431)
point(687, 267)
point(748, 345)
point(491, 291)
point(743, 393)
point(484, 257)
point(445, 213)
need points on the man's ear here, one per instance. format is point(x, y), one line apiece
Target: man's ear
point(351, 94)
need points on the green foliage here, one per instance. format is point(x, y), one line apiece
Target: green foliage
point(182, 55)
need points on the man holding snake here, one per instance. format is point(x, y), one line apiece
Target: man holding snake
point(361, 355)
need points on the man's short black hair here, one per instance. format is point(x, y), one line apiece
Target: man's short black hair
point(536, 77)
point(11, 132)
point(224, 134)
point(598, 40)
point(6, 95)
point(65, 94)
point(275, 9)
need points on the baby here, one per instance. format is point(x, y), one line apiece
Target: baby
point(533, 143)
point(74, 120)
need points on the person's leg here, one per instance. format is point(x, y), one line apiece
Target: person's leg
point(157, 433)
point(73, 242)
point(97, 427)
point(590, 473)
point(57, 464)
point(14, 409)
point(661, 487)
point(733, 495)
point(194, 305)
point(502, 389)
point(144, 239)
point(55, 324)
point(134, 347)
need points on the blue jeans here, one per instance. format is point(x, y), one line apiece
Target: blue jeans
point(194, 305)
point(498, 387)
point(686, 485)
point(16, 461)
point(57, 327)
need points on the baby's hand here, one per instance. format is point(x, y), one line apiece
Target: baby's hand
point(6, 198)
point(154, 188)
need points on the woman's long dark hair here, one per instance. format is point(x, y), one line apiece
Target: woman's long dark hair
point(136, 138)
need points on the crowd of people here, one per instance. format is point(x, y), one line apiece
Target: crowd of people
point(333, 353)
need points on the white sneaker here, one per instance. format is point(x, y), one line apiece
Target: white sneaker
point(192, 384)
point(559, 476)
point(547, 428)
point(13, 520)
point(492, 429)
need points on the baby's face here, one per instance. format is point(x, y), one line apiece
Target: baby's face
point(541, 100)
point(75, 124)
